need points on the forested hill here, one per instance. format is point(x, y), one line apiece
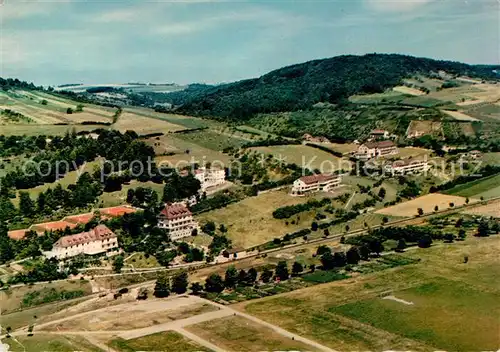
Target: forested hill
point(300, 86)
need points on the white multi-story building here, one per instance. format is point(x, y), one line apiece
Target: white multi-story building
point(404, 167)
point(371, 150)
point(210, 177)
point(96, 241)
point(177, 220)
point(315, 183)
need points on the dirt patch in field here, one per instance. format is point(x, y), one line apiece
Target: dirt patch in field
point(457, 115)
point(492, 209)
point(408, 90)
point(426, 203)
point(419, 128)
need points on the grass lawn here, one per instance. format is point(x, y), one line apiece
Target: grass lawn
point(68, 179)
point(455, 305)
point(170, 341)
point(211, 140)
point(111, 199)
point(466, 310)
point(305, 157)
point(240, 334)
point(185, 121)
point(250, 222)
point(11, 299)
point(50, 343)
point(139, 260)
point(488, 187)
point(491, 158)
point(386, 97)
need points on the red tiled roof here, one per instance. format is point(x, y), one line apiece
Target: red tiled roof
point(316, 178)
point(175, 211)
point(100, 232)
point(382, 144)
point(378, 131)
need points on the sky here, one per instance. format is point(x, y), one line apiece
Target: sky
point(185, 41)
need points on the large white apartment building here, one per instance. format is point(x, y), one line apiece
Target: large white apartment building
point(96, 241)
point(371, 150)
point(315, 183)
point(210, 177)
point(178, 220)
point(409, 166)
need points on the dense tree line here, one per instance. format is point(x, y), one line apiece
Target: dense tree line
point(300, 86)
point(290, 210)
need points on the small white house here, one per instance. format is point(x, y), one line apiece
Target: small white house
point(315, 183)
point(96, 241)
point(178, 220)
point(379, 134)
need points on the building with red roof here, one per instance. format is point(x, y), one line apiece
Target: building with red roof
point(371, 150)
point(99, 240)
point(178, 220)
point(315, 183)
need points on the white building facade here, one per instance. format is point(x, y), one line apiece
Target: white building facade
point(371, 150)
point(315, 183)
point(210, 177)
point(178, 220)
point(405, 167)
point(100, 240)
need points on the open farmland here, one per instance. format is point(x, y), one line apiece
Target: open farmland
point(49, 130)
point(51, 343)
point(184, 152)
point(241, 334)
point(438, 303)
point(420, 128)
point(489, 210)
point(163, 341)
point(413, 152)
point(187, 122)
point(144, 125)
point(376, 98)
point(486, 112)
point(408, 90)
point(457, 115)
point(52, 110)
point(488, 187)
point(250, 221)
point(212, 140)
point(427, 203)
point(305, 156)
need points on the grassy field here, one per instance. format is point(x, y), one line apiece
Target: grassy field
point(240, 334)
point(488, 187)
point(212, 140)
point(170, 341)
point(432, 303)
point(144, 125)
point(139, 260)
point(250, 222)
point(427, 203)
point(454, 305)
point(187, 122)
point(50, 343)
point(491, 158)
point(111, 199)
point(185, 152)
point(386, 97)
point(305, 156)
point(49, 130)
point(11, 299)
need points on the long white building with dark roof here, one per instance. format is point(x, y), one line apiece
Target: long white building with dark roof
point(100, 240)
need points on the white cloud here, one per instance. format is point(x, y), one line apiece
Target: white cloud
point(15, 10)
point(396, 5)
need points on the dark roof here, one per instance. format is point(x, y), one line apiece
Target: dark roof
point(316, 178)
point(175, 211)
point(382, 144)
point(101, 232)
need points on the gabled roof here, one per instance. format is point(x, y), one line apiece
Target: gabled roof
point(175, 211)
point(381, 144)
point(316, 178)
point(99, 233)
point(377, 131)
